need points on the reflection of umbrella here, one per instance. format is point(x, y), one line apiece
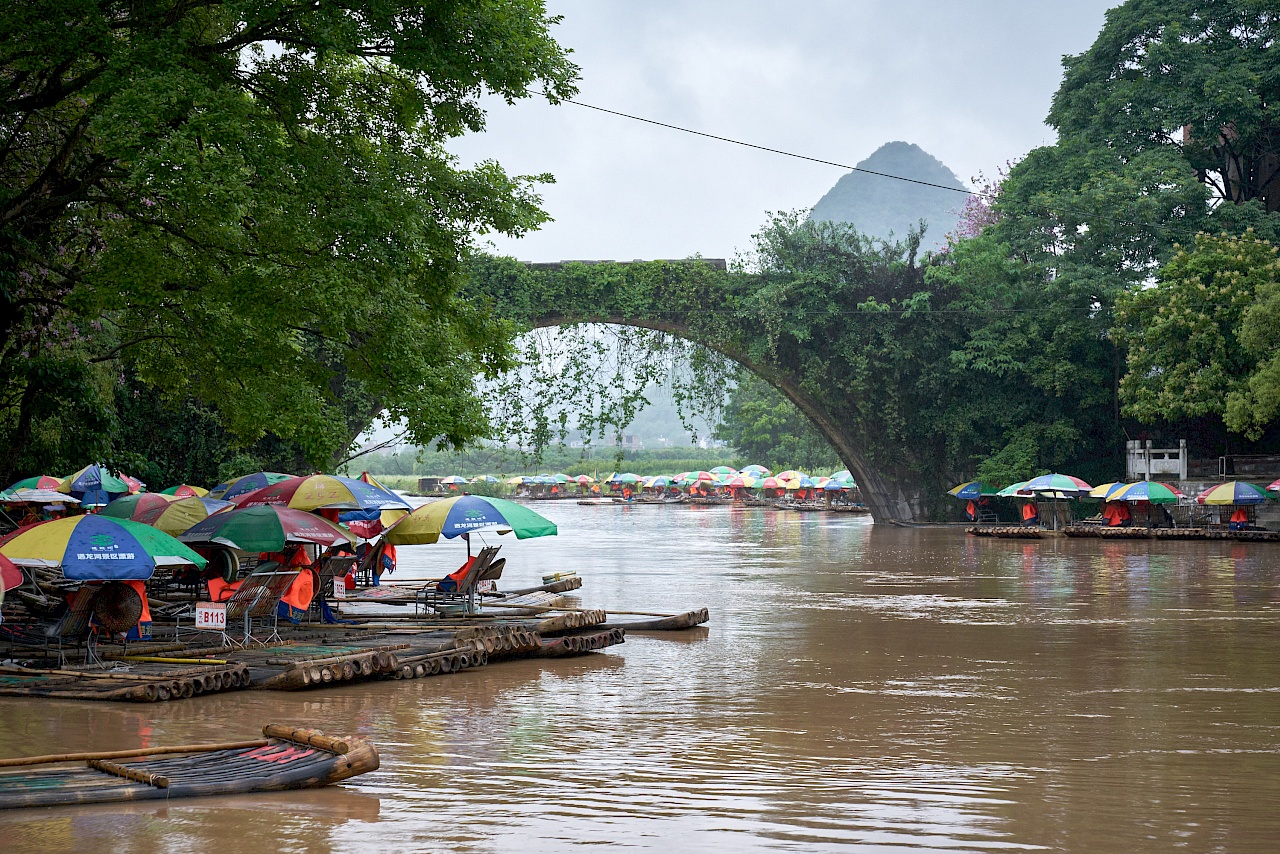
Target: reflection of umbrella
point(1063, 483)
point(1152, 491)
point(40, 481)
point(324, 491)
point(247, 483)
point(182, 490)
point(93, 485)
point(972, 489)
point(1013, 490)
point(265, 528)
point(93, 548)
point(169, 513)
point(454, 517)
point(1232, 492)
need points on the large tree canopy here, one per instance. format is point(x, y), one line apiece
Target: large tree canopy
point(248, 203)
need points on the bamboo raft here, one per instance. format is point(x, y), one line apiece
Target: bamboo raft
point(286, 758)
point(662, 622)
point(1005, 532)
point(1139, 533)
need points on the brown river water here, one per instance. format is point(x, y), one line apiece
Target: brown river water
point(859, 686)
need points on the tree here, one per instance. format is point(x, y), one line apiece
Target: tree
point(248, 203)
point(764, 427)
point(1189, 354)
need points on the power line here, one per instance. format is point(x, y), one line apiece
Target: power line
point(771, 150)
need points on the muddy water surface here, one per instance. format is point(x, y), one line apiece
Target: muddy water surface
point(859, 686)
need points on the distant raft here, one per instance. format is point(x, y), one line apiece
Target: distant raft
point(287, 758)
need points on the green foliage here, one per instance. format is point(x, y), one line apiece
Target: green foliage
point(275, 232)
point(768, 429)
point(1188, 353)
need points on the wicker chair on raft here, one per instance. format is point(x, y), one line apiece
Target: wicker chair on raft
point(256, 598)
point(459, 596)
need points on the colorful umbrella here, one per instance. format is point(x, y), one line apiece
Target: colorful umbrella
point(969, 490)
point(265, 528)
point(1152, 491)
point(758, 471)
point(41, 481)
point(1013, 490)
point(693, 477)
point(182, 490)
point(625, 477)
point(843, 474)
point(802, 482)
point(93, 485)
point(453, 480)
point(1105, 490)
point(771, 483)
point(464, 514)
point(247, 483)
point(1275, 487)
point(744, 481)
point(40, 496)
point(324, 491)
point(10, 576)
point(98, 548)
point(484, 478)
point(585, 479)
point(1232, 492)
point(1063, 483)
point(169, 513)
point(834, 485)
point(135, 485)
point(724, 470)
point(790, 474)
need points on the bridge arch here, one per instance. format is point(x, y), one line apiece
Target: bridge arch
point(697, 301)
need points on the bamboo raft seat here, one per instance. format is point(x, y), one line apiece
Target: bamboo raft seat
point(287, 758)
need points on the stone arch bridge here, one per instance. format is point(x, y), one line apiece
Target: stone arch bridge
point(700, 301)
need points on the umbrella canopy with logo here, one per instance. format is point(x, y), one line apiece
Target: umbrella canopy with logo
point(265, 528)
point(467, 514)
point(98, 548)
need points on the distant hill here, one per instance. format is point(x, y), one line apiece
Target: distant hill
point(878, 206)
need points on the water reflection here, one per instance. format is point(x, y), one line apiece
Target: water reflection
point(858, 685)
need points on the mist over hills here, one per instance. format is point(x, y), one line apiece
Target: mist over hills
point(881, 206)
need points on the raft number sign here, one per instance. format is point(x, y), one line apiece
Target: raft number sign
point(211, 615)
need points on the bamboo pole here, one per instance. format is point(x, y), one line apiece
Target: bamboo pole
point(126, 754)
point(151, 659)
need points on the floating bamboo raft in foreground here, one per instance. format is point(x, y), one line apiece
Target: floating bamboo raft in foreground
point(287, 758)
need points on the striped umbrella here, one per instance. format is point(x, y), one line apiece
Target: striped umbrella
point(265, 528)
point(1274, 487)
point(183, 490)
point(1152, 491)
point(168, 513)
point(466, 514)
point(40, 481)
point(94, 486)
point(744, 481)
point(1232, 492)
point(970, 490)
point(98, 548)
point(1106, 490)
point(247, 483)
point(324, 491)
point(756, 471)
point(1060, 483)
point(1013, 490)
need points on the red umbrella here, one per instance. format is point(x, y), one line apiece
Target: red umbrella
point(10, 575)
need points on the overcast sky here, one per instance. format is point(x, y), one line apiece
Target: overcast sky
point(970, 81)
